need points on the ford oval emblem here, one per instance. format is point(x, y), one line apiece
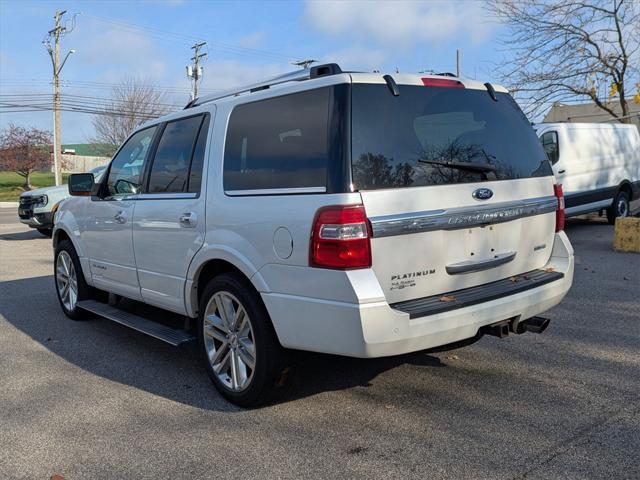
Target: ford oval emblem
point(482, 194)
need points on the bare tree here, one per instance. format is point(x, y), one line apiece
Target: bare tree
point(24, 150)
point(567, 50)
point(132, 103)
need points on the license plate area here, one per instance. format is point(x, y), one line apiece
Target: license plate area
point(481, 243)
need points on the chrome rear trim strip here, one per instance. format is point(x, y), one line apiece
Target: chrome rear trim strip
point(462, 217)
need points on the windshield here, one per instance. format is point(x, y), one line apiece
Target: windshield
point(97, 172)
point(426, 135)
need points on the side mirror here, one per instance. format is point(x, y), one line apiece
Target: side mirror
point(81, 184)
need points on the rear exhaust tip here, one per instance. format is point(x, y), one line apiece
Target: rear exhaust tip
point(533, 325)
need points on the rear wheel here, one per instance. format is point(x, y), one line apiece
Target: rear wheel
point(70, 284)
point(238, 344)
point(45, 231)
point(620, 207)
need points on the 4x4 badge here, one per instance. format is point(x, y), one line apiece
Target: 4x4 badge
point(482, 194)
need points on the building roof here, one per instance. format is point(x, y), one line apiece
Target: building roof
point(588, 113)
point(88, 149)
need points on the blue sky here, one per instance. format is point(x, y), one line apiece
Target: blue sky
point(247, 41)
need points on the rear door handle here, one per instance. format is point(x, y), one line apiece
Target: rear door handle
point(469, 266)
point(188, 220)
point(121, 216)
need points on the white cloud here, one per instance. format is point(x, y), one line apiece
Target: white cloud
point(114, 47)
point(252, 40)
point(400, 23)
point(228, 74)
point(358, 58)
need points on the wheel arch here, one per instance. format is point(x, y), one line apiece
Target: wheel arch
point(212, 263)
point(625, 186)
point(61, 233)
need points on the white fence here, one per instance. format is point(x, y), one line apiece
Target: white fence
point(81, 163)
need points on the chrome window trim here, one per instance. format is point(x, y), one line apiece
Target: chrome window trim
point(167, 196)
point(461, 217)
point(276, 191)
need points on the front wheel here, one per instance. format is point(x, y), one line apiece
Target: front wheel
point(620, 208)
point(239, 347)
point(70, 284)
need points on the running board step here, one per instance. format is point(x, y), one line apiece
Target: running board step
point(169, 335)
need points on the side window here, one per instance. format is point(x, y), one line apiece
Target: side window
point(280, 142)
point(195, 172)
point(125, 172)
point(550, 144)
point(170, 167)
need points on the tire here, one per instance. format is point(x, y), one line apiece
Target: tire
point(620, 207)
point(67, 271)
point(47, 232)
point(262, 372)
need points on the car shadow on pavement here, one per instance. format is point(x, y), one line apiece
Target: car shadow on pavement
point(28, 235)
point(564, 390)
point(117, 353)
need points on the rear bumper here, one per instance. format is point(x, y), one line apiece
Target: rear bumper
point(376, 329)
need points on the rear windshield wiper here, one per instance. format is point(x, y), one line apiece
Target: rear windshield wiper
point(473, 167)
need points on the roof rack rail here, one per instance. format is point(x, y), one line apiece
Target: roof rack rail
point(297, 76)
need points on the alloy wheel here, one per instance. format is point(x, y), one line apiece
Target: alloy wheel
point(229, 341)
point(623, 209)
point(66, 280)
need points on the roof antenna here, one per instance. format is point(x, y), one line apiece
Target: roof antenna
point(304, 63)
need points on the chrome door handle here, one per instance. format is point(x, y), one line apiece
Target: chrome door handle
point(121, 216)
point(188, 220)
point(469, 266)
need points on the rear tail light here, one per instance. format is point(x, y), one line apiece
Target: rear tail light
point(441, 82)
point(340, 238)
point(557, 190)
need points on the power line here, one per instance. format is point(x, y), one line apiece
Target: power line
point(172, 36)
point(83, 98)
point(93, 85)
point(6, 107)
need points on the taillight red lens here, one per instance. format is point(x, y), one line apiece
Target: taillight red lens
point(441, 82)
point(557, 190)
point(340, 238)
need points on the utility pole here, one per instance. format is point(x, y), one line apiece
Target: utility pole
point(457, 63)
point(54, 52)
point(195, 71)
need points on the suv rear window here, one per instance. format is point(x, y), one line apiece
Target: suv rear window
point(279, 143)
point(404, 141)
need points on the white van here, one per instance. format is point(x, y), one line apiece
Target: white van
point(598, 165)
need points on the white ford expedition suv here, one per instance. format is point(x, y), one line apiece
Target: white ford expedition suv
point(349, 213)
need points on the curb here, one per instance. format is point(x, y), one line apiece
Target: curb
point(8, 204)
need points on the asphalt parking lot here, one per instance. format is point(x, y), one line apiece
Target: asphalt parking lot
point(96, 400)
